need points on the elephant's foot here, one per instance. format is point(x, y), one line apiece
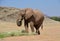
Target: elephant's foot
point(26, 31)
point(38, 32)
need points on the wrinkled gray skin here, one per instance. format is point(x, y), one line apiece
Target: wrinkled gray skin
point(34, 17)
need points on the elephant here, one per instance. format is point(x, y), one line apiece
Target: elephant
point(34, 17)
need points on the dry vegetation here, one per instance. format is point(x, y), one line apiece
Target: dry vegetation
point(8, 13)
point(51, 31)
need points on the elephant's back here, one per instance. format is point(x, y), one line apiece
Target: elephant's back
point(38, 15)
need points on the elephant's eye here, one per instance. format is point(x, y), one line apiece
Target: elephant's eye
point(22, 16)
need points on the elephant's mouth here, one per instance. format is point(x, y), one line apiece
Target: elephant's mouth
point(19, 23)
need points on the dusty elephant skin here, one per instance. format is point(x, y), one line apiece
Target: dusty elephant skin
point(34, 17)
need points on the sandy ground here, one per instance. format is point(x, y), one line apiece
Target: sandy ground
point(51, 32)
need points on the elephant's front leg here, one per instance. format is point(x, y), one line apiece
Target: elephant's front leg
point(32, 26)
point(26, 26)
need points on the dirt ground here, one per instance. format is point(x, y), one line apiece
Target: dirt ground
point(50, 32)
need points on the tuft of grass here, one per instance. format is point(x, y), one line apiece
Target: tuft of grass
point(16, 33)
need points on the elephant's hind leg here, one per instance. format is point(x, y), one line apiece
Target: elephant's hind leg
point(42, 26)
point(37, 29)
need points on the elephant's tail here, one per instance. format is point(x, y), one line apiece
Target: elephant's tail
point(42, 26)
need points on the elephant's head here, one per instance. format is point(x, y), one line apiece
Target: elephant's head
point(20, 17)
point(24, 14)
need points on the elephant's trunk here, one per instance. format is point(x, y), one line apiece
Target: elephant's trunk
point(19, 23)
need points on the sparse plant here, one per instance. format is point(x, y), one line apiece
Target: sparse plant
point(17, 33)
point(5, 11)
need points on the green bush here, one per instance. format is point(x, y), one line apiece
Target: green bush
point(55, 18)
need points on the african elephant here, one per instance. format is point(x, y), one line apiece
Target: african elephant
point(34, 17)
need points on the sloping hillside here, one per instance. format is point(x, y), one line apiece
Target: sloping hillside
point(8, 13)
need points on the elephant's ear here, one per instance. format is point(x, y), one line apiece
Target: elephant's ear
point(28, 13)
point(22, 12)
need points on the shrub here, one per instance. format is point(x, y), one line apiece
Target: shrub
point(55, 18)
